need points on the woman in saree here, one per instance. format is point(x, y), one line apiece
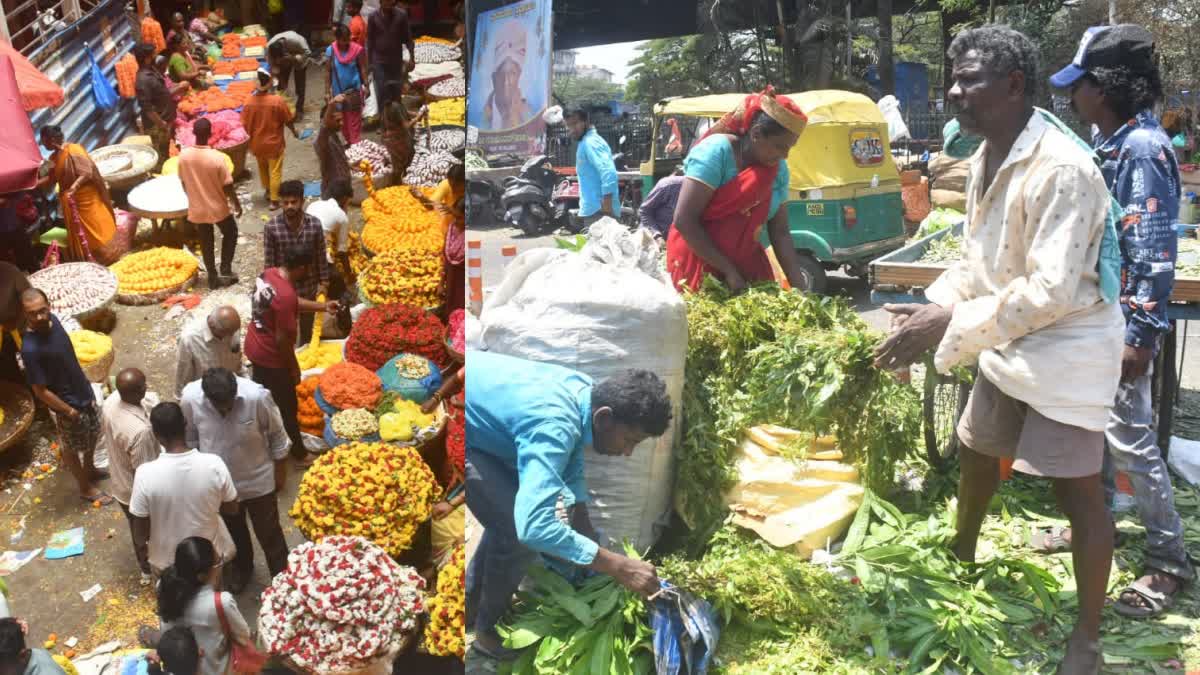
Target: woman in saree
point(736, 178)
point(346, 76)
point(86, 205)
point(181, 65)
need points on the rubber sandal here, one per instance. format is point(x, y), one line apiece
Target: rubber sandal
point(1157, 601)
point(1050, 539)
point(103, 498)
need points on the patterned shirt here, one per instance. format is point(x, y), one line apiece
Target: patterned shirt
point(1141, 170)
point(279, 238)
point(1026, 296)
point(199, 350)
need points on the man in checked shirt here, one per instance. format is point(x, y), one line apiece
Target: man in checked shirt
point(1114, 85)
point(295, 227)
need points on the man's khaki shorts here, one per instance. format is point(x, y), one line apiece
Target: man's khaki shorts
point(997, 425)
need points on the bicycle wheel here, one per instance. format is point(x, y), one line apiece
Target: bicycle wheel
point(944, 400)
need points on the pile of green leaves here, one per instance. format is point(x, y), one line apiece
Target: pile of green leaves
point(599, 627)
point(944, 250)
point(781, 357)
point(779, 613)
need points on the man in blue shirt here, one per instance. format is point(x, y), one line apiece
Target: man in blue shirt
point(53, 372)
point(598, 194)
point(1114, 84)
point(528, 427)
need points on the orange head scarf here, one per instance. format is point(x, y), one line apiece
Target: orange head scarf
point(779, 108)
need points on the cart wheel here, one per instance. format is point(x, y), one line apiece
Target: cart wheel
point(944, 401)
point(815, 280)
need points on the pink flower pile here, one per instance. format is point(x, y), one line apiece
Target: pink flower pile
point(227, 130)
point(339, 605)
point(456, 327)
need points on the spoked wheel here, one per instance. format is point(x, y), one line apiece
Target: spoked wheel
point(944, 401)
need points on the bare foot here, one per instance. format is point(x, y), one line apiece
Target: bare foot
point(1083, 656)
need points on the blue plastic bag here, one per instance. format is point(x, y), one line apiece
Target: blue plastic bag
point(685, 632)
point(102, 90)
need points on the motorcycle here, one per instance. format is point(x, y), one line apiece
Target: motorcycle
point(566, 202)
point(483, 204)
point(527, 196)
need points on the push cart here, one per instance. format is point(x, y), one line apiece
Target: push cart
point(902, 277)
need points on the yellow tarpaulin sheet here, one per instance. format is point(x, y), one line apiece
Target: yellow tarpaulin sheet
point(839, 123)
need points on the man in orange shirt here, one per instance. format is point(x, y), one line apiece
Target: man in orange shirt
point(358, 26)
point(208, 183)
point(264, 117)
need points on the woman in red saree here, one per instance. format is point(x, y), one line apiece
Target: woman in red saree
point(736, 181)
point(83, 195)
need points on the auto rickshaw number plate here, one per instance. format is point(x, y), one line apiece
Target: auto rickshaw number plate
point(815, 209)
point(866, 146)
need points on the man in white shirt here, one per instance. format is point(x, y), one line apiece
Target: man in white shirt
point(334, 221)
point(212, 342)
point(236, 420)
point(1029, 301)
point(125, 432)
point(181, 494)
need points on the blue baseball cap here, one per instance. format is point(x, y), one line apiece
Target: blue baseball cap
point(1125, 44)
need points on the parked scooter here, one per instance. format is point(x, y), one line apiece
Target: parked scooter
point(526, 198)
point(566, 203)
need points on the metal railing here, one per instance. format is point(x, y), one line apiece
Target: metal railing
point(32, 23)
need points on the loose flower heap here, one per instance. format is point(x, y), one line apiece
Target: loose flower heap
point(324, 355)
point(349, 385)
point(403, 422)
point(446, 633)
point(312, 420)
point(412, 367)
point(354, 423)
point(451, 111)
point(340, 604)
point(405, 275)
point(375, 490)
point(456, 442)
point(358, 260)
point(154, 270)
point(387, 330)
point(396, 220)
point(457, 331)
point(90, 346)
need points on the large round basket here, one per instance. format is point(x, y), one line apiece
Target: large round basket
point(97, 371)
point(141, 160)
point(18, 407)
point(381, 663)
point(66, 273)
point(148, 200)
point(382, 179)
point(237, 154)
point(156, 296)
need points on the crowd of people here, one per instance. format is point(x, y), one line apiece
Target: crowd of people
point(193, 476)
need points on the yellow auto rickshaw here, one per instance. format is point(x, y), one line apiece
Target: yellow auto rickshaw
point(844, 200)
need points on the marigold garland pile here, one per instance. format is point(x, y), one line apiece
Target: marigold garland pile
point(456, 442)
point(90, 346)
point(410, 276)
point(348, 385)
point(396, 220)
point(154, 270)
point(387, 330)
point(312, 420)
point(452, 111)
point(376, 490)
point(340, 604)
point(446, 633)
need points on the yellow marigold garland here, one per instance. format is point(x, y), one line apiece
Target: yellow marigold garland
point(378, 491)
point(153, 270)
point(445, 635)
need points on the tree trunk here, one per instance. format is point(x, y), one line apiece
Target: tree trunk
point(887, 69)
point(785, 39)
point(824, 75)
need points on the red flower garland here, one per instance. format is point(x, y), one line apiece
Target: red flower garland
point(387, 330)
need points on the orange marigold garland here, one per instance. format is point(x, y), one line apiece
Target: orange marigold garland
point(349, 385)
point(312, 420)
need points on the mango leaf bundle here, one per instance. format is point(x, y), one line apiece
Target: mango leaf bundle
point(599, 628)
point(781, 357)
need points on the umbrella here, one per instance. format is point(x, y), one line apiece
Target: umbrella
point(37, 90)
point(19, 171)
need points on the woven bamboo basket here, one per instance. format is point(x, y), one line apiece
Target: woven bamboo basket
point(237, 154)
point(69, 269)
point(97, 371)
point(19, 408)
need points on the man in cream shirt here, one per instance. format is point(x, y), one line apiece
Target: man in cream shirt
point(1029, 301)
